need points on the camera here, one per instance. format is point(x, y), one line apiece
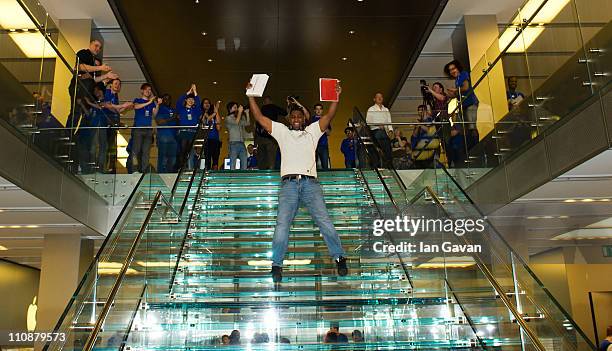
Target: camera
point(427, 96)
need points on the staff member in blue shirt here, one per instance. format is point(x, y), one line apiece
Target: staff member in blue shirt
point(167, 146)
point(469, 102)
point(112, 109)
point(348, 148)
point(189, 110)
point(145, 110)
point(212, 119)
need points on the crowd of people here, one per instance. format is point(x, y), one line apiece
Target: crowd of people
point(333, 336)
point(96, 118)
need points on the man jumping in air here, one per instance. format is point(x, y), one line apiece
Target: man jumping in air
point(298, 145)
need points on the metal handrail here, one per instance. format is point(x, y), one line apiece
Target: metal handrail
point(495, 284)
point(184, 241)
point(91, 339)
point(96, 258)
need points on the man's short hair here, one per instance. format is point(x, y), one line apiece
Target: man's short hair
point(95, 39)
point(609, 331)
point(294, 107)
point(348, 129)
point(318, 105)
point(143, 86)
point(512, 77)
point(379, 92)
point(455, 63)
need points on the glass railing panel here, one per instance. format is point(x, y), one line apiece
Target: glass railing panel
point(548, 320)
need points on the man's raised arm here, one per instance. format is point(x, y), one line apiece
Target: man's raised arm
point(325, 121)
point(265, 122)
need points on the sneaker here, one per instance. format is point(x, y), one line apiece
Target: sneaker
point(277, 274)
point(341, 264)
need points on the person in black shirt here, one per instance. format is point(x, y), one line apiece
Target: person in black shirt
point(266, 145)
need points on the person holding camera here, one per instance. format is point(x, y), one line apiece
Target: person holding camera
point(425, 141)
point(235, 123)
point(298, 145)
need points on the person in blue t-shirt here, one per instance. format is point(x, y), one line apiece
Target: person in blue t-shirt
point(93, 133)
point(145, 109)
point(606, 343)
point(212, 120)
point(469, 102)
point(189, 110)
point(322, 154)
point(514, 97)
point(348, 148)
point(252, 159)
point(113, 109)
point(167, 145)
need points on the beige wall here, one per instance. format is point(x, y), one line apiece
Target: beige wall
point(570, 283)
point(18, 286)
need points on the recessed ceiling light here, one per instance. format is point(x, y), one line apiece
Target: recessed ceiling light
point(344, 58)
point(210, 60)
point(204, 33)
point(215, 82)
point(3, 248)
point(351, 31)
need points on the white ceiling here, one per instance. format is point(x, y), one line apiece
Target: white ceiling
point(36, 219)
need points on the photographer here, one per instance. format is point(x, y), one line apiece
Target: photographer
point(235, 123)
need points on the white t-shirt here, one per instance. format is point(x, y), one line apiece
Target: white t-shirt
point(297, 148)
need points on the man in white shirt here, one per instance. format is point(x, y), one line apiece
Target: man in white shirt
point(379, 114)
point(298, 145)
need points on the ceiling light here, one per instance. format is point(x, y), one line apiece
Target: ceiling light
point(12, 16)
point(344, 58)
point(33, 45)
point(215, 82)
point(569, 200)
point(547, 14)
point(587, 200)
point(210, 60)
point(3, 248)
point(204, 33)
point(351, 32)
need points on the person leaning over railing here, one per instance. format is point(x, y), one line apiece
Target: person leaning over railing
point(464, 91)
point(113, 110)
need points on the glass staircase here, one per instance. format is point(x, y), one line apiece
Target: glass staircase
point(192, 277)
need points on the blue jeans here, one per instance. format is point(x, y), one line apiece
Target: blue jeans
point(167, 149)
point(237, 150)
point(308, 192)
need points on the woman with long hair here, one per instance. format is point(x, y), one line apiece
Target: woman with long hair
point(212, 120)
